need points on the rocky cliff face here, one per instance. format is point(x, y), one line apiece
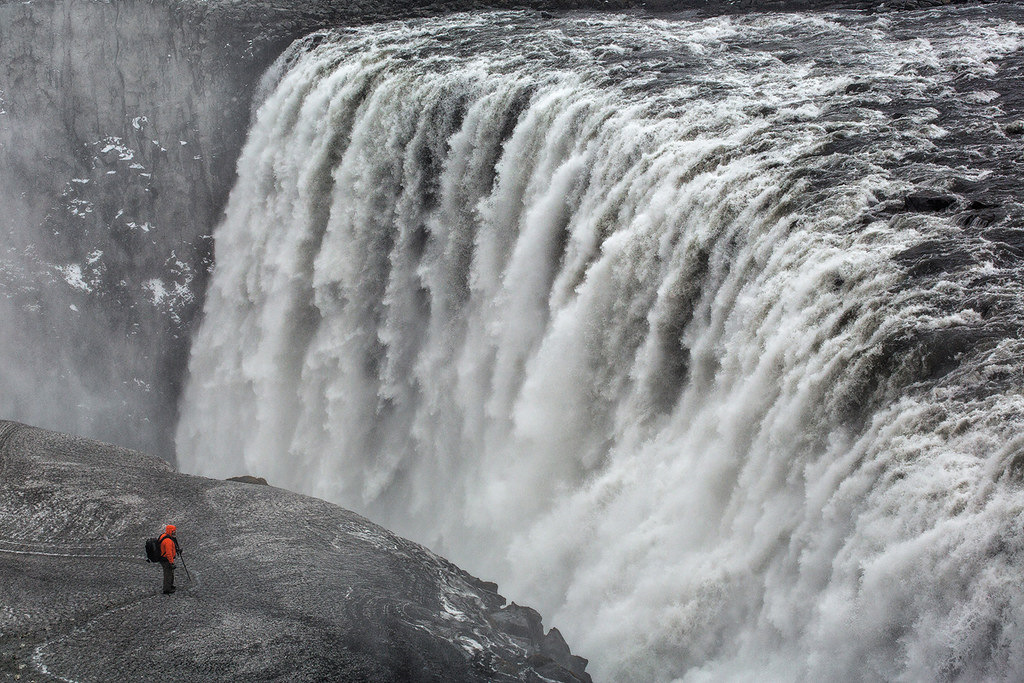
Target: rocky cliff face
point(279, 586)
point(119, 128)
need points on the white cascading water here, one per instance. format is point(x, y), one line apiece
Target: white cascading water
point(597, 307)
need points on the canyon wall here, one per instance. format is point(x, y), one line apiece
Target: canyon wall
point(120, 124)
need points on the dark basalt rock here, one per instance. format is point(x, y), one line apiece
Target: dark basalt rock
point(929, 202)
point(933, 257)
point(249, 479)
point(557, 651)
point(283, 587)
point(1014, 128)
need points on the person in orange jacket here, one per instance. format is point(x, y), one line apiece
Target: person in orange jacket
point(168, 551)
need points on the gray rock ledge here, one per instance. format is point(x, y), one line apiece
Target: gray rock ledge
point(284, 587)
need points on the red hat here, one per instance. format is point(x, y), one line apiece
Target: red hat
point(170, 529)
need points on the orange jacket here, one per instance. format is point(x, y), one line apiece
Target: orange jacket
point(167, 549)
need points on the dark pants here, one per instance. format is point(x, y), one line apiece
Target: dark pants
point(168, 575)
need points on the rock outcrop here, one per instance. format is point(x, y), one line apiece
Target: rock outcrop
point(283, 586)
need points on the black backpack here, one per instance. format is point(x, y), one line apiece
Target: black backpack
point(153, 548)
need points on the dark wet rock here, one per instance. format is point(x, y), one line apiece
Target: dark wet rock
point(249, 479)
point(1014, 128)
point(283, 587)
point(521, 622)
point(555, 648)
point(932, 257)
point(929, 202)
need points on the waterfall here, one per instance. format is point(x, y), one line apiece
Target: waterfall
point(622, 313)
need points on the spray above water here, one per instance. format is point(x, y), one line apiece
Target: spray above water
point(618, 312)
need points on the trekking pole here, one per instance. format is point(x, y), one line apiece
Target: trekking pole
point(182, 555)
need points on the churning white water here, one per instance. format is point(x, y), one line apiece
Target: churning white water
point(617, 312)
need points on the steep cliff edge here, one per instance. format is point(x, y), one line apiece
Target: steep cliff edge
point(283, 587)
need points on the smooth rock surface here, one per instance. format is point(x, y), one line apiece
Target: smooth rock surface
point(283, 587)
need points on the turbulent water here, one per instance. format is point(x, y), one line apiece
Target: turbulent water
point(653, 321)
